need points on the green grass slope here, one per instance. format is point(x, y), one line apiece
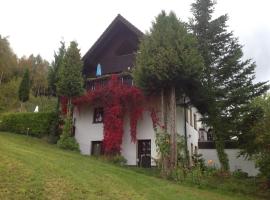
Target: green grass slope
point(33, 169)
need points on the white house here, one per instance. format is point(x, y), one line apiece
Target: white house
point(113, 53)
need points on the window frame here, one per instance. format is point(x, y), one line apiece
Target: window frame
point(96, 111)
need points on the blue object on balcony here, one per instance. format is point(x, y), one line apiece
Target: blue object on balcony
point(98, 73)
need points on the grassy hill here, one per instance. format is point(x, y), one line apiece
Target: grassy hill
point(33, 169)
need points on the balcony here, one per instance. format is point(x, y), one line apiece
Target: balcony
point(92, 84)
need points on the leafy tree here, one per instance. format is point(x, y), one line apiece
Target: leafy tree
point(227, 78)
point(255, 137)
point(53, 74)
point(169, 63)
point(9, 95)
point(38, 69)
point(8, 61)
point(24, 88)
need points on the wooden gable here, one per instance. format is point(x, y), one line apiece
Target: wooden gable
point(115, 50)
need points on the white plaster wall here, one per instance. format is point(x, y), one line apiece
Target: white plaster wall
point(234, 162)
point(86, 131)
point(145, 131)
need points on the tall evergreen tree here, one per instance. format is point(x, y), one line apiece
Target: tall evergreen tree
point(70, 83)
point(169, 63)
point(24, 88)
point(53, 73)
point(228, 80)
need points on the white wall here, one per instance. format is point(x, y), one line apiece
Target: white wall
point(234, 162)
point(87, 131)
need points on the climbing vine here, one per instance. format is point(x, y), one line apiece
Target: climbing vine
point(118, 100)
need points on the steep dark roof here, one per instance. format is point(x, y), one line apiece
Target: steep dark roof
point(119, 34)
point(117, 19)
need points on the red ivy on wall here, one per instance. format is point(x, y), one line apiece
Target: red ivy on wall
point(117, 100)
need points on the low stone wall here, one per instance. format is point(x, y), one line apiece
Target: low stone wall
point(235, 162)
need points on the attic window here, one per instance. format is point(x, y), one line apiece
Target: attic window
point(125, 48)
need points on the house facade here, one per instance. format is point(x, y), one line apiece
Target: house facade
point(114, 53)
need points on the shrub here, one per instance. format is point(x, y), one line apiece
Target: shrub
point(240, 174)
point(115, 159)
point(66, 141)
point(34, 124)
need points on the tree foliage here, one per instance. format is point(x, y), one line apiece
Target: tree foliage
point(255, 137)
point(227, 78)
point(8, 61)
point(53, 73)
point(70, 82)
point(167, 55)
point(169, 64)
point(38, 70)
point(24, 88)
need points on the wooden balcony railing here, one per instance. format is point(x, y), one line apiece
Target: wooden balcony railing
point(103, 81)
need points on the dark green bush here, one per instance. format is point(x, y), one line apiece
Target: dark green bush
point(34, 124)
point(66, 141)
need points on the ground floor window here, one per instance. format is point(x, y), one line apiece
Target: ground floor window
point(96, 148)
point(144, 153)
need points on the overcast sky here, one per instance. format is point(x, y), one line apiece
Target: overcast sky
point(37, 26)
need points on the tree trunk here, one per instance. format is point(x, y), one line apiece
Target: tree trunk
point(162, 107)
point(69, 113)
point(172, 128)
point(222, 156)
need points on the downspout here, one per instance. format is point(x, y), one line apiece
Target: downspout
point(185, 131)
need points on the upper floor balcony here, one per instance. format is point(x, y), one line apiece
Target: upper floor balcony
point(93, 83)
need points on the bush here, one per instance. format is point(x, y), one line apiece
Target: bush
point(66, 141)
point(240, 174)
point(34, 124)
point(115, 159)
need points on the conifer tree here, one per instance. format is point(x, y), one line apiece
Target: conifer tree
point(24, 88)
point(70, 83)
point(228, 80)
point(168, 63)
point(53, 73)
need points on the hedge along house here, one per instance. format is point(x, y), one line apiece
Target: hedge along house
point(114, 54)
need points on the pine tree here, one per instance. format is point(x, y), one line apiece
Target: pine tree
point(24, 88)
point(227, 78)
point(53, 73)
point(70, 83)
point(168, 63)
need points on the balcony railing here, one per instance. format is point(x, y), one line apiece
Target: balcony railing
point(103, 81)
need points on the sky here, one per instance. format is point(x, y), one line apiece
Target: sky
point(38, 26)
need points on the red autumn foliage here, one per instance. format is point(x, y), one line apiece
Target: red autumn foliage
point(117, 100)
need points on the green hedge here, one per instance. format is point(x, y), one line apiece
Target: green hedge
point(37, 123)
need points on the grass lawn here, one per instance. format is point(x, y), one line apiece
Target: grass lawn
point(32, 169)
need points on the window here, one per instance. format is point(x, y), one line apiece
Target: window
point(201, 134)
point(190, 115)
point(96, 149)
point(210, 135)
point(195, 121)
point(98, 115)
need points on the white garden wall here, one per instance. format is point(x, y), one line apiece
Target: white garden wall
point(234, 162)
